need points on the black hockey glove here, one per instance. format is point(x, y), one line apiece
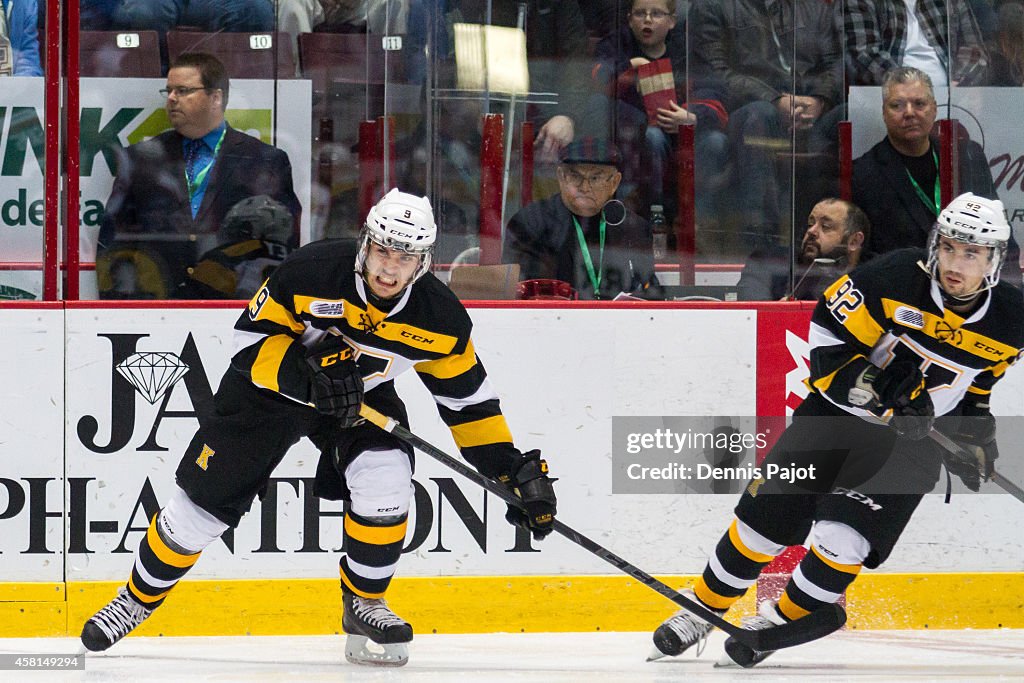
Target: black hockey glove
point(899, 386)
point(528, 479)
point(977, 436)
point(336, 387)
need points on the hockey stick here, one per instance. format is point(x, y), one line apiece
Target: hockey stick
point(956, 449)
point(817, 624)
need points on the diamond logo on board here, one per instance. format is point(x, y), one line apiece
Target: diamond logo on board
point(152, 373)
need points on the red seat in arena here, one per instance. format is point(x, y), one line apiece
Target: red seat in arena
point(125, 54)
point(244, 55)
point(328, 58)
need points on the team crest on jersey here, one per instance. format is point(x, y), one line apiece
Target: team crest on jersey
point(911, 317)
point(327, 309)
point(945, 333)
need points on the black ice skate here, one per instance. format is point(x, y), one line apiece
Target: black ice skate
point(738, 654)
point(366, 620)
point(117, 619)
point(679, 632)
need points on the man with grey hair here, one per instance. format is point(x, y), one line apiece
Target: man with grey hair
point(896, 182)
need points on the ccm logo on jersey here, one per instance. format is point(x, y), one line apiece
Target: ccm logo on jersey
point(416, 338)
point(327, 309)
point(986, 347)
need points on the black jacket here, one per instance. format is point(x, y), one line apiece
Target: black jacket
point(542, 239)
point(150, 196)
point(734, 39)
point(898, 217)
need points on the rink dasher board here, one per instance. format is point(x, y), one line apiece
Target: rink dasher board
point(87, 458)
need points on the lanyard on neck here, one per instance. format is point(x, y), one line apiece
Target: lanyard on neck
point(595, 278)
point(933, 205)
point(196, 183)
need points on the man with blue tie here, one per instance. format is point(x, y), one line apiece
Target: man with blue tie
point(172, 192)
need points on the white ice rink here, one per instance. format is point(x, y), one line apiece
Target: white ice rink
point(861, 656)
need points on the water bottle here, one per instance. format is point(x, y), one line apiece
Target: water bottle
point(659, 232)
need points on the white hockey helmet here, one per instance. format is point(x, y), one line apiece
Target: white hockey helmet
point(400, 221)
point(974, 220)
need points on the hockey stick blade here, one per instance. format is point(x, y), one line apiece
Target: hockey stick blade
point(956, 449)
point(817, 624)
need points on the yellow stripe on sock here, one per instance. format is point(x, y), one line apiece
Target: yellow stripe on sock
point(486, 431)
point(142, 597)
point(711, 598)
point(737, 542)
point(846, 568)
point(164, 553)
point(361, 593)
point(375, 535)
point(790, 609)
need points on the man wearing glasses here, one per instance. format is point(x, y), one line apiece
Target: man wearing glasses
point(583, 235)
point(172, 192)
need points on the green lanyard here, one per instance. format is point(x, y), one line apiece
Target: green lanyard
point(595, 278)
point(937, 204)
point(196, 183)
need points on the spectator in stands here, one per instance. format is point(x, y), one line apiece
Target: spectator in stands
point(897, 180)
point(1008, 58)
point(209, 16)
point(19, 38)
point(940, 37)
point(408, 18)
point(645, 115)
point(556, 50)
point(780, 63)
point(172, 192)
point(603, 17)
point(582, 235)
point(97, 15)
point(836, 232)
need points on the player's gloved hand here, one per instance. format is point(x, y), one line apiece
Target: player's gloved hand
point(336, 387)
point(901, 387)
point(528, 478)
point(977, 436)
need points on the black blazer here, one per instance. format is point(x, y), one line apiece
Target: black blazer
point(898, 217)
point(541, 238)
point(150, 197)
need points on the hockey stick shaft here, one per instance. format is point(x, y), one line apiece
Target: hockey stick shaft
point(955, 448)
point(816, 625)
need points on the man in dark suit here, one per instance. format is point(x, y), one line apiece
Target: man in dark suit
point(896, 182)
point(582, 235)
point(172, 192)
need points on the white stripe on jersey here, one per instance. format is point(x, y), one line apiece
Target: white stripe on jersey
point(485, 393)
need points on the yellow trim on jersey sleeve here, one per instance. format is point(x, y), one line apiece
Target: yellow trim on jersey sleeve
point(268, 361)
point(449, 366)
point(483, 432)
point(855, 317)
point(274, 312)
point(978, 390)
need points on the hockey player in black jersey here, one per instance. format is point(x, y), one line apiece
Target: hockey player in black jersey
point(913, 340)
point(331, 328)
